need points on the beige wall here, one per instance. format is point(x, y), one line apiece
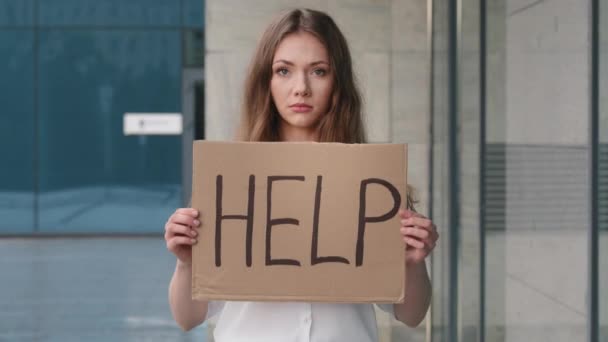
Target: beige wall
point(388, 40)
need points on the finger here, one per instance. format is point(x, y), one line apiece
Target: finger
point(408, 222)
point(174, 229)
point(405, 213)
point(177, 241)
point(413, 242)
point(182, 219)
point(185, 220)
point(430, 243)
point(187, 211)
point(417, 221)
point(423, 222)
point(428, 236)
point(418, 233)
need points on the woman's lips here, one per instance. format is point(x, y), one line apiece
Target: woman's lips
point(301, 108)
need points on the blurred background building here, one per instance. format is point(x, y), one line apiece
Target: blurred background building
point(504, 105)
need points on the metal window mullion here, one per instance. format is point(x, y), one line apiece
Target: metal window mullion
point(431, 153)
point(482, 168)
point(593, 269)
point(454, 32)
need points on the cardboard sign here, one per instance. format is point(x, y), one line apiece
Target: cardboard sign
point(299, 222)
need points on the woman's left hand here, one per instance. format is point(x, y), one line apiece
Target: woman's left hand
point(419, 235)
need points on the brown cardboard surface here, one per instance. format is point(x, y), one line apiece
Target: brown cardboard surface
point(359, 253)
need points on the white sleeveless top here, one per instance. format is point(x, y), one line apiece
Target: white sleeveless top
point(295, 322)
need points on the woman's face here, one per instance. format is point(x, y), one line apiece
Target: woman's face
point(301, 85)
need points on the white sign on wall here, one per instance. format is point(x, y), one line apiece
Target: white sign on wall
point(152, 124)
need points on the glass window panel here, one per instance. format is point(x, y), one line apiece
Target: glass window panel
point(17, 131)
point(16, 13)
point(537, 169)
point(130, 13)
point(92, 177)
point(495, 172)
point(469, 116)
point(194, 48)
point(194, 13)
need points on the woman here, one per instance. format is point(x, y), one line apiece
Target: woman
point(300, 87)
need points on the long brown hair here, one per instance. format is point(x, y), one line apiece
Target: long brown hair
point(343, 123)
point(260, 117)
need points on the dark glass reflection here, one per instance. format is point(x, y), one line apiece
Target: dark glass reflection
point(109, 13)
point(92, 177)
point(16, 131)
point(194, 13)
point(16, 13)
point(194, 48)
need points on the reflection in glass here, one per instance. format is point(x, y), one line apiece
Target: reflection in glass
point(537, 169)
point(91, 175)
point(16, 13)
point(16, 131)
point(194, 48)
point(194, 13)
point(469, 165)
point(109, 13)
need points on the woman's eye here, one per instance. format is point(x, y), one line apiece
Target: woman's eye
point(320, 72)
point(282, 71)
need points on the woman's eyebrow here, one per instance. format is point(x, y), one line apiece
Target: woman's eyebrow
point(291, 63)
point(282, 61)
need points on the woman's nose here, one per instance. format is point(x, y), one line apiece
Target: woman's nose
point(302, 87)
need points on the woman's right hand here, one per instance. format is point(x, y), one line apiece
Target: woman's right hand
point(180, 233)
